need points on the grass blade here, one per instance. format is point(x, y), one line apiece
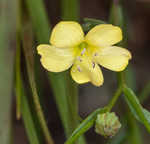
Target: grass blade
point(27, 119)
point(135, 107)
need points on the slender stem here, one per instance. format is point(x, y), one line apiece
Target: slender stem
point(117, 18)
point(114, 98)
point(118, 92)
point(121, 78)
point(30, 69)
point(26, 112)
point(18, 82)
point(17, 62)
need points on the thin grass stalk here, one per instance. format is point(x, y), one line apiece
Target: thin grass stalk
point(30, 69)
point(18, 82)
point(58, 81)
point(22, 106)
point(17, 61)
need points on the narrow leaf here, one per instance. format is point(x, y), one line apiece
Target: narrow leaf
point(27, 45)
point(136, 107)
point(84, 126)
point(27, 119)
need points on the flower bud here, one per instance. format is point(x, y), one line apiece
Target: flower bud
point(107, 124)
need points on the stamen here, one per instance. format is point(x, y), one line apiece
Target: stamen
point(79, 69)
point(79, 58)
point(93, 65)
point(83, 51)
point(96, 54)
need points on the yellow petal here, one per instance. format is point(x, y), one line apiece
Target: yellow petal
point(67, 34)
point(55, 59)
point(113, 57)
point(85, 70)
point(104, 35)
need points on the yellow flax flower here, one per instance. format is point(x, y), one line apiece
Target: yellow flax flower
point(69, 47)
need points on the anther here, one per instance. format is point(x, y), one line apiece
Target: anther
point(93, 65)
point(79, 58)
point(83, 51)
point(78, 67)
point(96, 54)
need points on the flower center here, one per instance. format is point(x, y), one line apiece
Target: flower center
point(83, 57)
point(82, 48)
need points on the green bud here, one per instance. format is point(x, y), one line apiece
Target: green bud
point(107, 124)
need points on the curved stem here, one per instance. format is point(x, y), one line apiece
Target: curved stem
point(114, 99)
point(118, 92)
point(30, 69)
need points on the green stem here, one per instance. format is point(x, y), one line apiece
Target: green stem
point(17, 68)
point(117, 18)
point(120, 79)
point(23, 106)
point(118, 92)
point(18, 82)
point(114, 99)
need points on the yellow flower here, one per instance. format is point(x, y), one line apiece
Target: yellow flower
point(69, 47)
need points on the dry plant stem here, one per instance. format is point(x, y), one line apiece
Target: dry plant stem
point(30, 68)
